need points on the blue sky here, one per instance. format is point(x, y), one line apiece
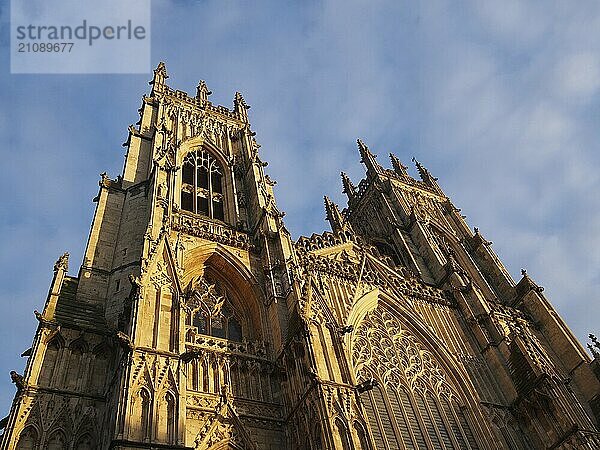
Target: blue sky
point(500, 100)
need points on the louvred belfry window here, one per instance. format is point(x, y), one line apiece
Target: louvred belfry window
point(202, 185)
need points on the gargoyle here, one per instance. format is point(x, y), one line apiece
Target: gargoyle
point(18, 380)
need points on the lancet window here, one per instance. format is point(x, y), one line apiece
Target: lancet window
point(28, 439)
point(202, 185)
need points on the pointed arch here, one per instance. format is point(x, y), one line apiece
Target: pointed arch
point(193, 143)
point(99, 366)
point(146, 412)
point(85, 442)
point(80, 344)
point(218, 262)
point(168, 383)
point(57, 440)
point(342, 434)
point(415, 399)
point(51, 359)
point(171, 417)
point(379, 299)
point(203, 180)
point(362, 436)
point(75, 369)
point(28, 439)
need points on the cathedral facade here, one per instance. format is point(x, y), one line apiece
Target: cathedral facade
point(197, 322)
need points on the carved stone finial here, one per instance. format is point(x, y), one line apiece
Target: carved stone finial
point(349, 188)
point(594, 340)
point(594, 347)
point(368, 158)
point(424, 174)
point(333, 215)
point(161, 69)
point(62, 263)
point(104, 180)
point(240, 107)
point(527, 284)
point(399, 168)
point(160, 76)
point(269, 181)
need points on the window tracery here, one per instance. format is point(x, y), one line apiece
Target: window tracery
point(202, 185)
point(211, 312)
point(414, 406)
point(28, 440)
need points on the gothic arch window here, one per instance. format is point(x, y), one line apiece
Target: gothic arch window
point(146, 403)
point(75, 365)
point(85, 442)
point(99, 367)
point(413, 406)
point(342, 432)
point(57, 441)
point(28, 440)
point(171, 417)
point(50, 361)
point(202, 185)
point(362, 437)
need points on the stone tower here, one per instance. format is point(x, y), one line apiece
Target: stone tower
point(196, 322)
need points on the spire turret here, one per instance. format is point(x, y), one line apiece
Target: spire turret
point(333, 215)
point(427, 178)
point(240, 107)
point(159, 79)
point(399, 168)
point(349, 188)
point(202, 91)
point(368, 158)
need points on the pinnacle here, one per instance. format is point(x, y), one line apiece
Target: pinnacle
point(349, 188)
point(161, 69)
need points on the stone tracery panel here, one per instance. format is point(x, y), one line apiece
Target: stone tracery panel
point(414, 402)
point(382, 345)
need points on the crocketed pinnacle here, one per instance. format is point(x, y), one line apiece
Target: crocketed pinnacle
point(333, 215)
point(368, 158)
point(399, 168)
point(349, 188)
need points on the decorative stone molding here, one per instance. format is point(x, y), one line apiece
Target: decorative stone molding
point(210, 230)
